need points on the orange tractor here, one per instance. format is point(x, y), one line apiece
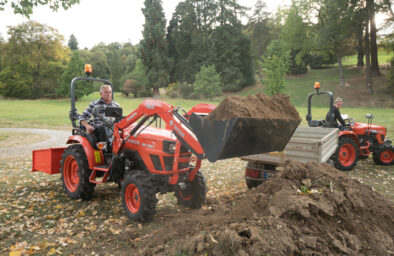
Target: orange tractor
point(356, 140)
point(145, 160)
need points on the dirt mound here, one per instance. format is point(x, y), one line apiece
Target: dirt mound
point(255, 106)
point(307, 209)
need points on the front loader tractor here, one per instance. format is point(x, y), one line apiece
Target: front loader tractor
point(157, 148)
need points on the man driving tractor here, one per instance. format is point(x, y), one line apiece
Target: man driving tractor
point(334, 115)
point(98, 107)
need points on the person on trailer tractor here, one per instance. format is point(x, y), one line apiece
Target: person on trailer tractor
point(98, 106)
point(334, 115)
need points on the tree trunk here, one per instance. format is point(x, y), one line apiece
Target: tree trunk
point(374, 48)
point(340, 69)
point(156, 92)
point(360, 48)
point(367, 61)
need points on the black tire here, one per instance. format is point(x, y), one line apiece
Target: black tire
point(138, 197)
point(75, 173)
point(253, 183)
point(384, 155)
point(346, 156)
point(196, 193)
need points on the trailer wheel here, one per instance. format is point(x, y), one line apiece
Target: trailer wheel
point(195, 195)
point(345, 158)
point(138, 197)
point(384, 155)
point(75, 173)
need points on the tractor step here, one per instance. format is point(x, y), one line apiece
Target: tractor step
point(100, 168)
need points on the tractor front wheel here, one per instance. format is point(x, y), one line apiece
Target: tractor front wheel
point(75, 173)
point(194, 196)
point(345, 158)
point(138, 197)
point(384, 155)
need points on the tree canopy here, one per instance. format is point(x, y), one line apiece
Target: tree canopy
point(25, 7)
point(33, 60)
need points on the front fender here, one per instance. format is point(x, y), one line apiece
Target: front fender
point(94, 156)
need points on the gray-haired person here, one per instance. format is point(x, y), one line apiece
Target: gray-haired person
point(96, 126)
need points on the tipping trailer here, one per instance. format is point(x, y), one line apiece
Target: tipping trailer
point(306, 145)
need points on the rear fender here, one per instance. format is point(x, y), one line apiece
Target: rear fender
point(351, 135)
point(201, 109)
point(94, 156)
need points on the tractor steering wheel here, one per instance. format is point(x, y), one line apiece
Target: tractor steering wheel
point(106, 122)
point(350, 122)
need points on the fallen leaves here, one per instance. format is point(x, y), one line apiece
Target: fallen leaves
point(34, 207)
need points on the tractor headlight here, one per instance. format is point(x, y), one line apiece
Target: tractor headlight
point(169, 146)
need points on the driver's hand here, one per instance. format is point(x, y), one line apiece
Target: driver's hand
point(89, 128)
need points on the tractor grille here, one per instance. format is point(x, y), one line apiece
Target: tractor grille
point(156, 162)
point(168, 162)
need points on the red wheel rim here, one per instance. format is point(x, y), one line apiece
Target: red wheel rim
point(387, 156)
point(186, 198)
point(70, 173)
point(347, 155)
point(132, 198)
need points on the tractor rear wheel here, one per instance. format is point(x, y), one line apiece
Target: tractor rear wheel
point(138, 197)
point(384, 155)
point(75, 173)
point(345, 158)
point(195, 195)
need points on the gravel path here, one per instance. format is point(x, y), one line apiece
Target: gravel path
point(57, 138)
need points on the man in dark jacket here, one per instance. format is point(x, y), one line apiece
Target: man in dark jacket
point(334, 115)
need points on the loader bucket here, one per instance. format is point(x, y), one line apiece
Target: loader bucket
point(238, 137)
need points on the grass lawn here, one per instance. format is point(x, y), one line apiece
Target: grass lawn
point(54, 113)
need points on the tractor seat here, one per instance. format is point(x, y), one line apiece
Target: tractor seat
point(317, 123)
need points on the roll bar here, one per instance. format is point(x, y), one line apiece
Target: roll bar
point(73, 112)
point(309, 115)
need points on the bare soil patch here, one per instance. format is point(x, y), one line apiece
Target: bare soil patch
point(308, 209)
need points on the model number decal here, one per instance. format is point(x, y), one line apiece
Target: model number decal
point(131, 117)
point(148, 146)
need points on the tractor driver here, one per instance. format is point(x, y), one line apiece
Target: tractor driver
point(334, 115)
point(98, 106)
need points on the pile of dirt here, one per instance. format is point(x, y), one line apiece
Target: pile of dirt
point(255, 106)
point(307, 209)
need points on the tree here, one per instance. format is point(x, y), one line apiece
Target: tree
point(131, 86)
point(294, 38)
point(25, 7)
point(33, 59)
point(116, 70)
point(153, 47)
point(74, 68)
point(72, 43)
point(275, 65)
point(181, 34)
point(335, 30)
point(208, 82)
point(99, 61)
point(259, 31)
point(1, 49)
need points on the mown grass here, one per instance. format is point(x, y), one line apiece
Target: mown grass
point(383, 58)
point(54, 113)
